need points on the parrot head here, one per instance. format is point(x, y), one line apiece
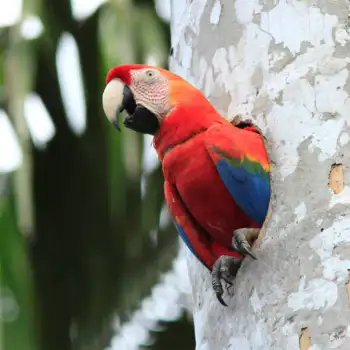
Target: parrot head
point(148, 94)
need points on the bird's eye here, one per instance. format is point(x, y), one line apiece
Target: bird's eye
point(149, 74)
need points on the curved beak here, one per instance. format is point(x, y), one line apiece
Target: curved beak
point(118, 97)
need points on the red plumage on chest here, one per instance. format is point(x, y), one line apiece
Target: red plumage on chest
point(188, 167)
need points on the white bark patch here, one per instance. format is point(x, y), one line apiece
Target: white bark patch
point(300, 107)
point(318, 294)
point(203, 346)
point(196, 11)
point(315, 60)
point(300, 212)
point(215, 13)
point(308, 23)
point(292, 339)
point(324, 244)
point(342, 36)
point(186, 17)
point(199, 318)
point(259, 338)
point(304, 124)
point(330, 96)
point(325, 138)
point(255, 302)
point(239, 343)
point(245, 10)
point(341, 198)
point(177, 11)
point(235, 74)
point(336, 341)
point(344, 138)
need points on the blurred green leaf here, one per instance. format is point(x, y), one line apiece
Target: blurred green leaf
point(152, 37)
point(116, 33)
point(93, 250)
point(18, 321)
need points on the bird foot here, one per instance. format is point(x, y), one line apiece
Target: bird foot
point(243, 239)
point(225, 268)
point(237, 119)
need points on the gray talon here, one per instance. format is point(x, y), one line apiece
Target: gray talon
point(240, 242)
point(225, 268)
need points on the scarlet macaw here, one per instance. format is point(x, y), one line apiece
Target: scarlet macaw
point(217, 184)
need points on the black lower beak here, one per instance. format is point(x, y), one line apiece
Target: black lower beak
point(143, 121)
point(139, 118)
point(128, 104)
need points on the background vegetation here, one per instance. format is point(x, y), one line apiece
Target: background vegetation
point(81, 240)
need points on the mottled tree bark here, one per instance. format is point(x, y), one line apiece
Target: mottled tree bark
point(286, 65)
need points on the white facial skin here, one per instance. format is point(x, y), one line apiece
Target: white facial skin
point(151, 90)
point(149, 87)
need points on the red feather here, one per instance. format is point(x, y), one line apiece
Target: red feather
point(196, 196)
point(198, 199)
point(122, 72)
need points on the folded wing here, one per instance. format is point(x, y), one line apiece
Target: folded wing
point(242, 163)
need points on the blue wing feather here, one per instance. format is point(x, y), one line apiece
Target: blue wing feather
point(242, 163)
point(250, 190)
point(184, 237)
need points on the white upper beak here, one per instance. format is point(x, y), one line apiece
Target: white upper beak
point(112, 98)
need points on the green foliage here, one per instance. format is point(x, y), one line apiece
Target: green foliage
point(76, 247)
point(17, 317)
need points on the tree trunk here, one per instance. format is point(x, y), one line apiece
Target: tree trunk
point(286, 65)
